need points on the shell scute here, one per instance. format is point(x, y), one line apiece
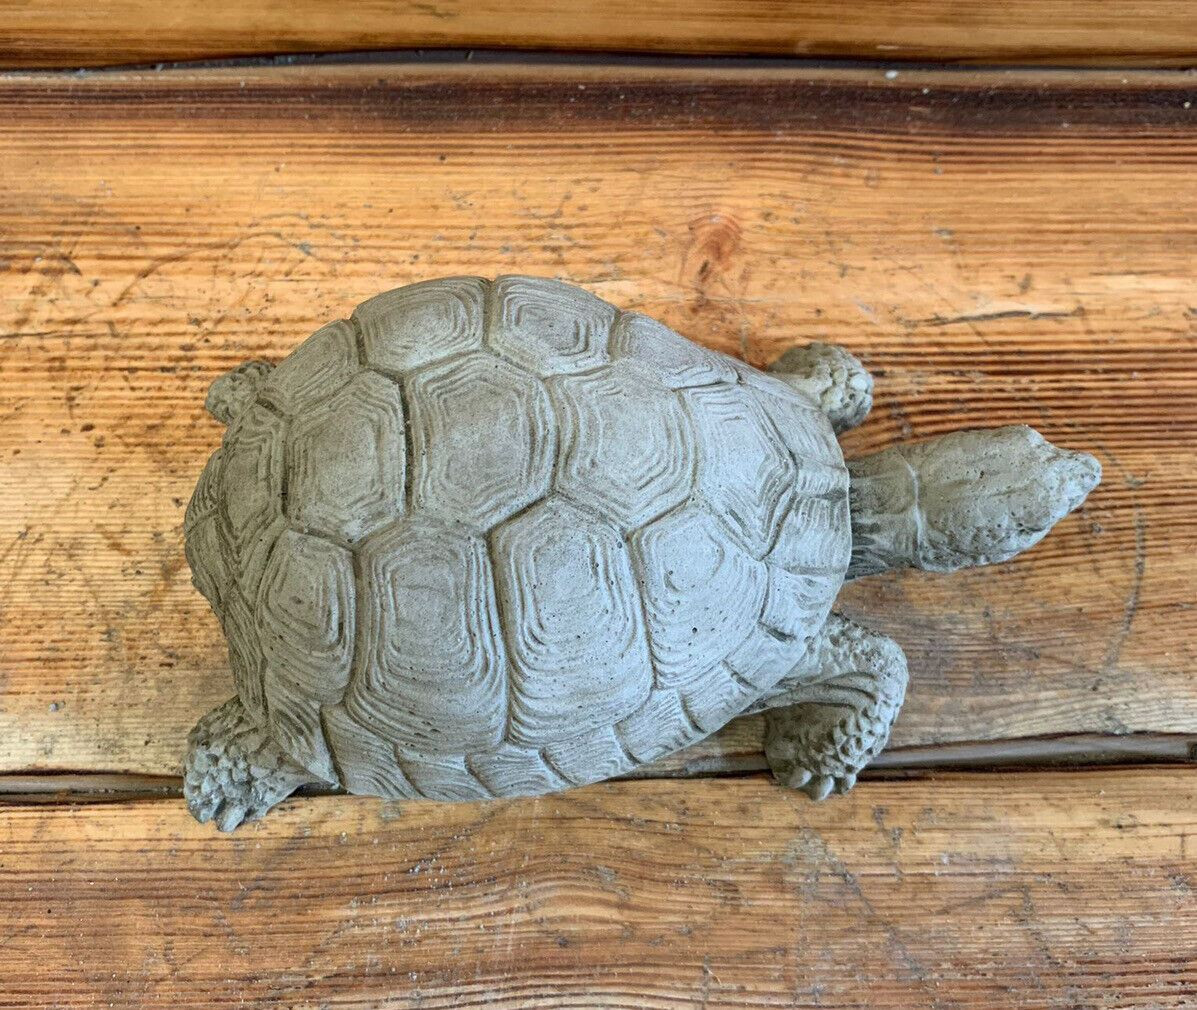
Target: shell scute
point(206, 559)
point(245, 653)
point(744, 472)
point(804, 429)
point(443, 777)
point(796, 604)
point(201, 531)
point(680, 363)
point(483, 440)
point(430, 672)
point(573, 623)
point(293, 719)
point(205, 499)
point(658, 727)
point(306, 614)
point(590, 756)
point(322, 363)
point(251, 484)
point(702, 592)
point(417, 325)
point(367, 763)
point(627, 446)
point(516, 771)
point(815, 534)
point(346, 460)
point(765, 656)
point(547, 327)
point(716, 696)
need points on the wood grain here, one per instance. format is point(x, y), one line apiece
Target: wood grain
point(1084, 32)
point(998, 247)
point(1027, 891)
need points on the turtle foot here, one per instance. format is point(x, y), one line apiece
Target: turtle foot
point(234, 392)
point(817, 787)
point(832, 377)
point(233, 771)
point(819, 736)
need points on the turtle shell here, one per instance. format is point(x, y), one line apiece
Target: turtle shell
point(500, 538)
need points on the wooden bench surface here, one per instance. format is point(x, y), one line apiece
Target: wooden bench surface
point(1133, 32)
point(998, 246)
point(976, 891)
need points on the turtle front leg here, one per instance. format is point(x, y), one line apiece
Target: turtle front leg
point(233, 771)
point(832, 377)
point(832, 714)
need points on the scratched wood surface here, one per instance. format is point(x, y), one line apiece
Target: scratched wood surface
point(977, 891)
point(997, 246)
point(1139, 32)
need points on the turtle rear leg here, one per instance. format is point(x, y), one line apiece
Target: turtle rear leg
point(233, 393)
point(832, 377)
point(832, 715)
point(233, 771)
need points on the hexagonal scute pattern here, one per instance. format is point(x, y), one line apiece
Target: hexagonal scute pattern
point(422, 323)
point(430, 671)
point(547, 327)
point(627, 445)
point(205, 557)
point(681, 363)
point(206, 496)
point(804, 429)
point(590, 757)
point(744, 471)
point(321, 364)
point(765, 656)
point(658, 727)
point(245, 654)
point(815, 534)
point(702, 593)
point(293, 719)
point(717, 697)
point(441, 777)
point(251, 484)
point(574, 626)
point(515, 771)
point(306, 614)
point(346, 460)
point(365, 761)
point(483, 439)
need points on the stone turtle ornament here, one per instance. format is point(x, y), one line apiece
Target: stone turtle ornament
point(500, 538)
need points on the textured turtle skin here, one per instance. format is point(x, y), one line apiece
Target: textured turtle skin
point(501, 538)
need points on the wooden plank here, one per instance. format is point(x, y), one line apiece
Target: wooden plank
point(1138, 32)
point(1023, 891)
point(998, 247)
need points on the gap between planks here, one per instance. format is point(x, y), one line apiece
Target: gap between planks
point(529, 59)
point(1074, 752)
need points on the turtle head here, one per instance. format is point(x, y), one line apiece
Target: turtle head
point(235, 391)
point(968, 498)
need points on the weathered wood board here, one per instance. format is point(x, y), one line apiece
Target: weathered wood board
point(975, 891)
point(1088, 32)
point(998, 247)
